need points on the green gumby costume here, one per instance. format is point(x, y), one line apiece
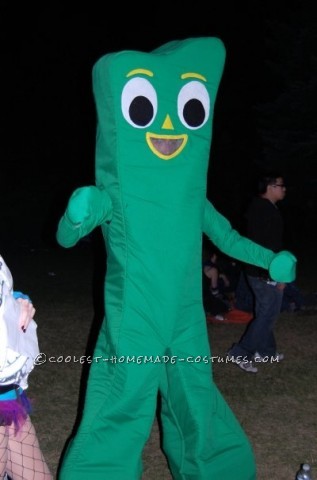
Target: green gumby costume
point(154, 113)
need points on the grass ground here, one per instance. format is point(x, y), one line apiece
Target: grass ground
point(277, 407)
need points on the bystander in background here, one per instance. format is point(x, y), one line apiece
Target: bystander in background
point(265, 227)
point(215, 286)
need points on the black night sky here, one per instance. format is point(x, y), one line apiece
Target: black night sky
point(265, 112)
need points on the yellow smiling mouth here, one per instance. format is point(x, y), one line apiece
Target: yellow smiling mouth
point(166, 146)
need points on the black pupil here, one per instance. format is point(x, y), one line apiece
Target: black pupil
point(141, 111)
point(194, 113)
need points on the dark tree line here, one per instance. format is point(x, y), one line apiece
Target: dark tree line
point(287, 113)
point(267, 114)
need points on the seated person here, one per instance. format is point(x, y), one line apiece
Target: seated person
point(214, 285)
point(219, 281)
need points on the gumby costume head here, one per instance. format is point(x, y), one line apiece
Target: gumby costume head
point(154, 128)
point(155, 116)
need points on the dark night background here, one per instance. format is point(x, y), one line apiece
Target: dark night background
point(265, 116)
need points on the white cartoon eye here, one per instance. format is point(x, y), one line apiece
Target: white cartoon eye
point(193, 105)
point(139, 102)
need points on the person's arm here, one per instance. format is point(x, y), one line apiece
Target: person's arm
point(87, 208)
point(282, 266)
point(212, 273)
point(225, 279)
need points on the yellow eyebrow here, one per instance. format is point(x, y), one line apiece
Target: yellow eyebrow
point(140, 70)
point(193, 75)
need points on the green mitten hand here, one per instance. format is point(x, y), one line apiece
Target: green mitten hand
point(88, 207)
point(283, 267)
point(89, 204)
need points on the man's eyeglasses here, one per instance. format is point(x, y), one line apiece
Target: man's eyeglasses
point(282, 185)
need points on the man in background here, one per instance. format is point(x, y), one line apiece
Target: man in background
point(265, 227)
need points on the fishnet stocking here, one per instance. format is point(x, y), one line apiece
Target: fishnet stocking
point(20, 454)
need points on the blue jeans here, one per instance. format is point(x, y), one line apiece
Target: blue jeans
point(259, 336)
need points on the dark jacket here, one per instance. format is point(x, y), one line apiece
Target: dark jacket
point(265, 227)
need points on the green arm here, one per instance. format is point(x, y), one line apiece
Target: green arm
point(88, 207)
point(281, 266)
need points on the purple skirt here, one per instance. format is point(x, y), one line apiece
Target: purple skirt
point(14, 407)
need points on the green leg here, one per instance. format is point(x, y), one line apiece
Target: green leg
point(201, 436)
point(117, 420)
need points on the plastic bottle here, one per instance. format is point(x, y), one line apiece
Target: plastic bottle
point(304, 473)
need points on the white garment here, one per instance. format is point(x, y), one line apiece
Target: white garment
point(18, 349)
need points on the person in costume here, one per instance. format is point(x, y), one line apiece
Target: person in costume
point(20, 454)
point(154, 113)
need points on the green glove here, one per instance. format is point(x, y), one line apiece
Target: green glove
point(283, 267)
point(87, 203)
point(88, 207)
